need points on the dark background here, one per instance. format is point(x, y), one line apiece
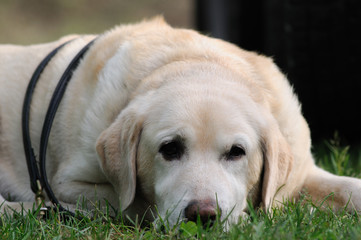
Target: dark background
point(316, 43)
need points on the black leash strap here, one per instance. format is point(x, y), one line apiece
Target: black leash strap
point(38, 179)
point(29, 151)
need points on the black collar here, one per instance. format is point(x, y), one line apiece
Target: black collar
point(38, 179)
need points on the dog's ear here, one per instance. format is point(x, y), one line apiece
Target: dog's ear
point(117, 149)
point(277, 165)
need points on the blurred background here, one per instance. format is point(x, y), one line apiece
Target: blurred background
point(32, 21)
point(316, 43)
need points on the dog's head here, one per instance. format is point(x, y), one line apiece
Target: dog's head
point(194, 142)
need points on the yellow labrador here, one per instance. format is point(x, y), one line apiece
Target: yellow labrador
point(157, 116)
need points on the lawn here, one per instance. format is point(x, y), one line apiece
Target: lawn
point(296, 220)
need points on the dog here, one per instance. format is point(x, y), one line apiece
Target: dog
point(158, 119)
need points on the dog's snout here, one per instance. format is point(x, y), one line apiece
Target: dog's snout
point(206, 210)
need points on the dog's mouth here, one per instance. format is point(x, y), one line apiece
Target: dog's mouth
point(205, 213)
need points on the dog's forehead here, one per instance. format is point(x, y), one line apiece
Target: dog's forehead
point(208, 114)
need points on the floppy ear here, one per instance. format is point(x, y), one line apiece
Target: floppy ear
point(117, 149)
point(277, 165)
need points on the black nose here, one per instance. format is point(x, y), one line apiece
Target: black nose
point(206, 210)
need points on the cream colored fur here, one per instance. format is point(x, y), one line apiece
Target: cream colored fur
point(145, 84)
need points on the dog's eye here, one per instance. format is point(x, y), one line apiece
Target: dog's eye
point(172, 150)
point(236, 152)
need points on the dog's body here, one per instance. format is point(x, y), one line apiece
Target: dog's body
point(161, 116)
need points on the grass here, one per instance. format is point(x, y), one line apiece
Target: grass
point(296, 220)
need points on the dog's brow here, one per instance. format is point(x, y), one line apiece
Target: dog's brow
point(175, 138)
point(166, 136)
point(240, 140)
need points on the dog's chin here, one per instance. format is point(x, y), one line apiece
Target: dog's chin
point(169, 222)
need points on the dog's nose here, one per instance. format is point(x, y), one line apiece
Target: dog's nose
point(206, 210)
